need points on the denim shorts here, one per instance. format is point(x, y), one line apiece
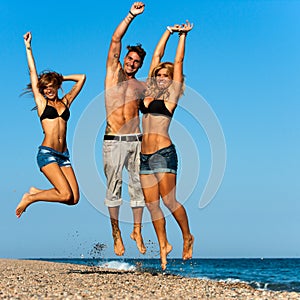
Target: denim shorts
point(162, 161)
point(47, 155)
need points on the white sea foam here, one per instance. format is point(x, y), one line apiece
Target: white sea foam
point(117, 265)
point(232, 280)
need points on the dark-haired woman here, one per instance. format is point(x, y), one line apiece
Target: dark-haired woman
point(53, 155)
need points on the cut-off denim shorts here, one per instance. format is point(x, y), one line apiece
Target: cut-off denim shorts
point(47, 155)
point(162, 161)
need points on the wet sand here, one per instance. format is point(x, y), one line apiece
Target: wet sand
point(29, 279)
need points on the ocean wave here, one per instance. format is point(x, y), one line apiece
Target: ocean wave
point(117, 265)
point(231, 280)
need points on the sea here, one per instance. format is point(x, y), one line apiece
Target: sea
point(277, 274)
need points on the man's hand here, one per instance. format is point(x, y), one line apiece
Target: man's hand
point(137, 8)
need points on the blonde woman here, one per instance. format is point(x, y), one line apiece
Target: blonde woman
point(158, 166)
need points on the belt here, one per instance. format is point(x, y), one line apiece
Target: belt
point(123, 138)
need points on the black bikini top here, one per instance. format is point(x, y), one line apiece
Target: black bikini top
point(155, 107)
point(50, 112)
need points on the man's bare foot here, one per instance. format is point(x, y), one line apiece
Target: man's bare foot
point(137, 236)
point(23, 205)
point(163, 255)
point(187, 252)
point(118, 243)
point(34, 190)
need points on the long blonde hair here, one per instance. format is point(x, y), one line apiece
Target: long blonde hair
point(152, 88)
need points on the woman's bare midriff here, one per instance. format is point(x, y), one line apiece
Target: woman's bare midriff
point(55, 134)
point(153, 142)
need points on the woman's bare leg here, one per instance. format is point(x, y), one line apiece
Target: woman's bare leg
point(61, 191)
point(167, 187)
point(71, 178)
point(34, 190)
point(152, 199)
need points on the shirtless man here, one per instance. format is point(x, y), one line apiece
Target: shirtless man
point(122, 139)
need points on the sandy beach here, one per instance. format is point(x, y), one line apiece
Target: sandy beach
point(29, 279)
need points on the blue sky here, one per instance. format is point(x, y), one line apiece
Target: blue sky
point(242, 60)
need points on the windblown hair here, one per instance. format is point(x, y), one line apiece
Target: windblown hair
point(137, 49)
point(153, 89)
point(44, 79)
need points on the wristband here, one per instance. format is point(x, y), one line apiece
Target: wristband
point(169, 29)
point(132, 14)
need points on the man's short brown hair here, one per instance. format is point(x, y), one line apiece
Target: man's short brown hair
point(137, 49)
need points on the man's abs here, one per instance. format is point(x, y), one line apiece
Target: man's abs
point(121, 124)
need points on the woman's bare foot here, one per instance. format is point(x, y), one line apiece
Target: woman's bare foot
point(136, 235)
point(163, 255)
point(169, 248)
point(34, 190)
point(24, 203)
point(187, 252)
point(118, 243)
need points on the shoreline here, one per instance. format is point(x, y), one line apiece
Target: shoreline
point(35, 279)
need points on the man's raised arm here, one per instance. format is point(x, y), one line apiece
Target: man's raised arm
point(114, 52)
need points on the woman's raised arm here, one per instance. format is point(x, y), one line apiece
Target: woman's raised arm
point(32, 70)
point(160, 49)
point(79, 82)
point(179, 57)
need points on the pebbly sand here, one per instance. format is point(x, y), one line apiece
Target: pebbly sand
point(28, 279)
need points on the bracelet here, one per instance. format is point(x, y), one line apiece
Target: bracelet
point(132, 14)
point(170, 29)
point(29, 48)
point(182, 33)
